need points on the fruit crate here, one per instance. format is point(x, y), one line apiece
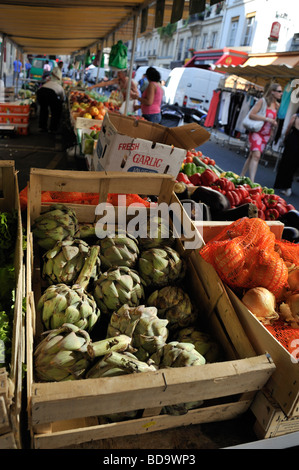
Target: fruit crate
point(14, 118)
point(283, 384)
point(13, 108)
point(67, 413)
point(11, 378)
point(271, 421)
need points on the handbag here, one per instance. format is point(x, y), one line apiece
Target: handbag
point(255, 126)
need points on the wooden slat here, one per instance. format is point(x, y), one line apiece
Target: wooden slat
point(145, 425)
point(56, 401)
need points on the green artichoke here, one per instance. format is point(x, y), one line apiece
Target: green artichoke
point(120, 249)
point(161, 266)
point(62, 354)
point(148, 332)
point(67, 304)
point(175, 305)
point(67, 352)
point(176, 354)
point(64, 262)
point(116, 287)
point(118, 363)
point(61, 303)
point(159, 234)
point(203, 342)
point(56, 223)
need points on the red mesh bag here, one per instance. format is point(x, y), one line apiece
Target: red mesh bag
point(244, 256)
point(288, 251)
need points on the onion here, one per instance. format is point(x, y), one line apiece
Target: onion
point(261, 302)
point(293, 302)
point(293, 278)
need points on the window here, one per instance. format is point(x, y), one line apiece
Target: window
point(248, 30)
point(233, 32)
point(213, 39)
point(204, 41)
point(180, 51)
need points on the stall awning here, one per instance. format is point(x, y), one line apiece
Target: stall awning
point(264, 68)
point(214, 57)
point(69, 26)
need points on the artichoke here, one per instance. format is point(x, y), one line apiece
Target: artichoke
point(176, 354)
point(120, 249)
point(62, 354)
point(119, 363)
point(148, 332)
point(61, 304)
point(118, 286)
point(159, 234)
point(63, 262)
point(161, 266)
point(56, 223)
point(175, 305)
point(203, 342)
point(67, 352)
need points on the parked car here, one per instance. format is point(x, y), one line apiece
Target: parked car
point(191, 87)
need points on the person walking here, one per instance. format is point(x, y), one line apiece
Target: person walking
point(17, 69)
point(50, 96)
point(27, 68)
point(289, 162)
point(151, 99)
point(259, 140)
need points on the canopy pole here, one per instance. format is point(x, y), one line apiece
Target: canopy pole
point(2, 55)
point(100, 58)
point(135, 26)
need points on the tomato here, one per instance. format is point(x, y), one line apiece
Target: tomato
point(189, 160)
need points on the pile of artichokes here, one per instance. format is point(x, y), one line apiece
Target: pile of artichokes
point(114, 305)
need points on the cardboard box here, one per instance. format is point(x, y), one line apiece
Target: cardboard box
point(134, 145)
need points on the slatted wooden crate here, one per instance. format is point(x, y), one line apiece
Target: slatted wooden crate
point(283, 385)
point(63, 414)
point(11, 379)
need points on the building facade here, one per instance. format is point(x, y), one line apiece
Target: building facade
point(252, 26)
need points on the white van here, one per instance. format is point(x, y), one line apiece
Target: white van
point(141, 70)
point(191, 87)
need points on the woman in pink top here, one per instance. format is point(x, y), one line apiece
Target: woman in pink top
point(151, 99)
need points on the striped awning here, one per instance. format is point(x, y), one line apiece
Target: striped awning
point(264, 68)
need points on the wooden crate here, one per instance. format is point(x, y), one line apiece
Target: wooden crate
point(283, 385)
point(271, 421)
point(11, 380)
point(62, 414)
point(211, 228)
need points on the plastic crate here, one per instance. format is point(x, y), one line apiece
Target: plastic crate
point(14, 108)
point(14, 118)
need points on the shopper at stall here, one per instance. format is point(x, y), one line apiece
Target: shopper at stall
point(57, 72)
point(289, 162)
point(151, 99)
point(121, 81)
point(259, 140)
point(50, 96)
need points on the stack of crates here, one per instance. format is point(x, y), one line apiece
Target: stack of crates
point(15, 115)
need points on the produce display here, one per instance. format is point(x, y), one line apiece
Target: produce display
point(237, 196)
point(262, 271)
point(8, 230)
point(113, 305)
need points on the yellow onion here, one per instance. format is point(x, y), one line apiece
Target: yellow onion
point(261, 302)
point(293, 278)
